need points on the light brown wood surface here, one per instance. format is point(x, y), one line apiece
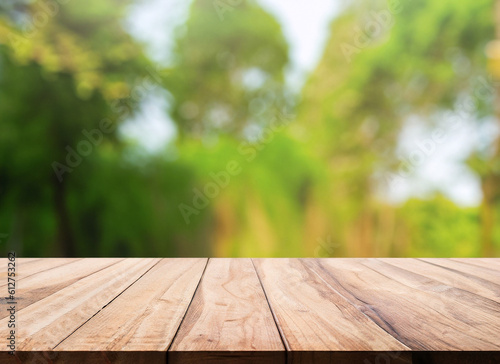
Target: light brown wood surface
point(422, 313)
point(55, 277)
point(229, 317)
point(199, 310)
point(480, 270)
point(26, 267)
point(313, 317)
point(45, 323)
point(453, 280)
point(146, 316)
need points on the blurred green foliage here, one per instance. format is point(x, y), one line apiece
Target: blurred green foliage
point(227, 75)
point(255, 170)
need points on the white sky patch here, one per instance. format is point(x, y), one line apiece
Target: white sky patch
point(153, 22)
point(305, 25)
point(151, 127)
point(437, 164)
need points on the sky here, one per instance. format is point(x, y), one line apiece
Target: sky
point(305, 25)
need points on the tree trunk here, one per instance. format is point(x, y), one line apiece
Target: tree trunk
point(65, 238)
point(487, 216)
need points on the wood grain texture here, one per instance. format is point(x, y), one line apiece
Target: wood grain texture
point(26, 267)
point(229, 318)
point(195, 310)
point(490, 263)
point(47, 322)
point(37, 286)
point(313, 317)
point(451, 279)
point(423, 313)
point(145, 317)
point(485, 272)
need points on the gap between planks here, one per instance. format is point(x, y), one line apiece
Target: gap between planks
point(103, 307)
point(310, 265)
point(188, 307)
point(229, 317)
point(280, 331)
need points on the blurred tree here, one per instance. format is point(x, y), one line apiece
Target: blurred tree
point(228, 72)
point(70, 184)
point(230, 105)
point(61, 66)
point(387, 62)
point(487, 164)
point(85, 40)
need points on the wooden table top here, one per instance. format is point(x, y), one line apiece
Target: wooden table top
point(198, 310)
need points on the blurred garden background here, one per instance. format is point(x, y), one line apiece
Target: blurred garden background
point(250, 128)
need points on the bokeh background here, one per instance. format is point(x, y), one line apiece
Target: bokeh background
point(249, 128)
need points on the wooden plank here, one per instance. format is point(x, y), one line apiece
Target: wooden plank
point(449, 278)
point(37, 286)
point(490, 263)
point(31, 260)
point(318, 324)
point(413, 308)
point(484, 272)
point(26, 267)
point(144, 319)
point(45, 323)
point(28, 260)
point(30, 266)
point(328, 311)
point(229, 319)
